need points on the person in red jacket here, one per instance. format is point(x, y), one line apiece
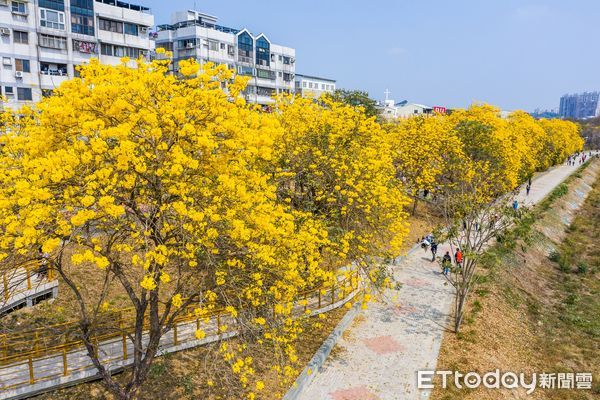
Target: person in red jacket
point(458, 258)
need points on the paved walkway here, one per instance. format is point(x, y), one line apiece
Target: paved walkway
point(380, 354)
point(65, 365)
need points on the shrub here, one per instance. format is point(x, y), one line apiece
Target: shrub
point(554, 256)
point(582, 268)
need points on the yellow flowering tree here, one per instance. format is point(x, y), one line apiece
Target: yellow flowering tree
point(562, 139)
point(335, 163)
point(159, 183)
point(494, 155)
point(422, 148)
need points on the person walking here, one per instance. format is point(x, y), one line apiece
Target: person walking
point(458, 258)
point(446, 263)
point(434, 247)
point(42, 258)
point(527, 189)
point(515, 205)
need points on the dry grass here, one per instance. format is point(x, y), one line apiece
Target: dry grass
point(532, 314)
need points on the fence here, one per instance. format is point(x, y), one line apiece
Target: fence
point(57, 351)
point(23, 279)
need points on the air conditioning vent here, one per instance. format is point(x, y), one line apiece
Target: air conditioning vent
point(190, 45)
point(18, 74)
point(4, 31)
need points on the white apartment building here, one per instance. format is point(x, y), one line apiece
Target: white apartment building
point(43, 41)
point(313, 86)
point(193, 34)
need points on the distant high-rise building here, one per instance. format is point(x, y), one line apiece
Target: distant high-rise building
point(579, 106)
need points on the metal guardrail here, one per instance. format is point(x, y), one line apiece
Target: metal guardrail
point(56, 351)
point(19, 280)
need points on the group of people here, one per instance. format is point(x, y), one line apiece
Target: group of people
point(572, 160)
point(430, 242)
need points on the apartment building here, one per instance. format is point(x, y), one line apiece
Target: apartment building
point(580, 106)
point(43, 41)
point(192, 34)
point(313, 86)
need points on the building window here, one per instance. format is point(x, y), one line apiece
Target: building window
point(24, 94)
point(303, 84)
point(265, 74)
point(186, 43)
point(53, 42)
point(6, 61)
point(222, 46)
point(245, 47)
point(286, 60)
point(58, 5)
point(120, 51)
point(245, 70)
point(47, 68)
point(213, 46)
point(82, 24)
point(263, 52)
point(9, 91)
point(106, 49)
point(82, 17)
point(230, 50)
point(168, 46)
point(52, 19)
point(131, 29)
point(280, 57)
point(22, 65)
point(109, 25)
point(18, 7)
point(21, 37)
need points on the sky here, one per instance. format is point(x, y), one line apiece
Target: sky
point(516, 54)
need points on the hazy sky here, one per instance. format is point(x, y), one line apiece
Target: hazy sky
point(512, 53)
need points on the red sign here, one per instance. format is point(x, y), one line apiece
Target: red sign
point(438, 109)
point(85, 47)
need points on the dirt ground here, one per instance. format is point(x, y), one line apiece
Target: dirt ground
point(538, 306)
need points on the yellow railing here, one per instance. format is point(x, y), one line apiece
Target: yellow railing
point(27, 351)
point(29, 270)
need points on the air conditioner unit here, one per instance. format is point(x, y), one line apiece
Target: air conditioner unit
point(18, 74)
point(4, 31)
point(293, 60)
point(144, 29)
point(190, 45)
point(3, 2)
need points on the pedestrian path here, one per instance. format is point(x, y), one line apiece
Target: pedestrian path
point(24, 287)
point(379, 356)
point(26, 373)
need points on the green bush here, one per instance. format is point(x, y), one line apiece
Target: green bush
point(582, 268)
